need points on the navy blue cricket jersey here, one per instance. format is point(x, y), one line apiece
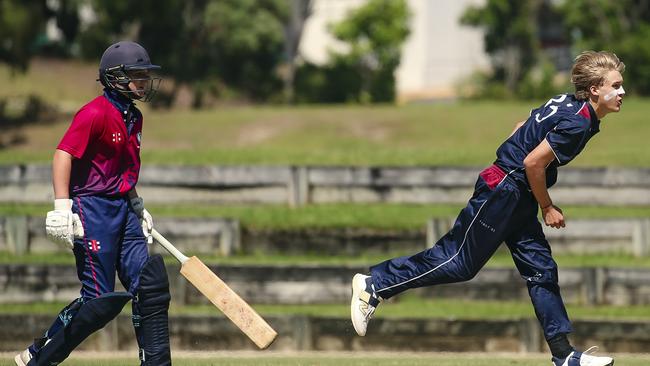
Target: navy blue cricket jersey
point(565, 122)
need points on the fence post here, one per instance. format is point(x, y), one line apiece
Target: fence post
point(298, 187)
point(436, 228)
point(432, 232)
point(229, 238)
point(17, 234)
point(641, 238)
point(107, 337)
point(179, 286)
point(593, 286)
point(303, 333)
point(530, 335)
point(600, 275)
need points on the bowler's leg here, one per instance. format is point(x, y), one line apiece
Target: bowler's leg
point(532, 256)
point(458, 256)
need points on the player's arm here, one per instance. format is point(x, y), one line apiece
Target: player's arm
point(61, 168)
point(146, 219)
point(535, 164)
point(61, 225)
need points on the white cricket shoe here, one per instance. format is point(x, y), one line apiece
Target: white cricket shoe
point(22, 359)
point(585, 358)
point(363, 304)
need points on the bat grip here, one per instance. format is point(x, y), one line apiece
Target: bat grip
point(169, 246)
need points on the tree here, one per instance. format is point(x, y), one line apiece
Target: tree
point(510, 37)
point(621, 26)
point(375, 33)
point(21, 23)
point(206, 44)
point(300, 11)
point(248, 38)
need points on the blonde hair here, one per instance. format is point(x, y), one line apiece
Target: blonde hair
point(590, 68)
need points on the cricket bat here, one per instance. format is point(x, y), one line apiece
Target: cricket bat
point(222, 296)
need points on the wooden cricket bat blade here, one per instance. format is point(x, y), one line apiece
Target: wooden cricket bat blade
point(224, 298)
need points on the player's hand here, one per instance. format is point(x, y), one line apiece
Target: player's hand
point(61, 225)
point(146, 219)
point(553, 216)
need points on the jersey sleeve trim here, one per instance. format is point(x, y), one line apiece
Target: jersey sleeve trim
point(70, 150)
point(584, 111)
point(551, 146)
point(566, 142)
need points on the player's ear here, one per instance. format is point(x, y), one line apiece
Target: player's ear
point(594, 91)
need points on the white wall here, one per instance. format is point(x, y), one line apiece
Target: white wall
point(438, 52)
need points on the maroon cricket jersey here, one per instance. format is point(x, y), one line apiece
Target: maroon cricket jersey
point(107, 154)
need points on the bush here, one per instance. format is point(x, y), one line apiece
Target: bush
point(336, 83)
point(18, 111)
point(480, 85)
point(539, 83)
point(634, 51)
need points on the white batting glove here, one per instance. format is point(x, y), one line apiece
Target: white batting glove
point(61, 225)
point(147, 220)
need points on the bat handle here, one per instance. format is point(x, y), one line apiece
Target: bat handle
point(168, 246)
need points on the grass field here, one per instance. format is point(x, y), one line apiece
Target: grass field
point(404, 306)
point(460, 133)
point(455, 133)
point(344, 215)
point(366, 358)
point(500, 259)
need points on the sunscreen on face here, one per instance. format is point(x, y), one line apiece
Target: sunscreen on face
point(612, 94)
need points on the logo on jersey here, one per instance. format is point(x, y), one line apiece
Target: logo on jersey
point(94, 245)
point(139, 136)
point(117, 137)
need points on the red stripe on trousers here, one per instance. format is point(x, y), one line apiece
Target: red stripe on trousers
point(90, 258)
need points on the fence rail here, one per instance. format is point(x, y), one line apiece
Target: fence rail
point(309, 333)
point(222, 236)
point(295, 284)
point(301, 185)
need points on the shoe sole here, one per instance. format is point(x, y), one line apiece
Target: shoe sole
point(19, 361)
point(358, 285)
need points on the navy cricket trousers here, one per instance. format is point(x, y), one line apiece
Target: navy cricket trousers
point(499, 210)
point(113, 243)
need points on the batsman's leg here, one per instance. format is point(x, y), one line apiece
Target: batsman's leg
point(150, 314)
point(95, 256)
point(75, 323)
point(146, 279)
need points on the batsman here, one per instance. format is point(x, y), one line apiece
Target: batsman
point(99, 216)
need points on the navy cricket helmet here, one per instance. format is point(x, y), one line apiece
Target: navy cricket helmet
point(119, 67)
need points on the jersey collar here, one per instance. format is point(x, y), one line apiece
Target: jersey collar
point(595, 122)
point(119, 101)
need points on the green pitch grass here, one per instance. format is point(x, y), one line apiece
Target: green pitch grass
point(344, 215)
point(404, 306)
point(500, 260)
point(341, 359)
point(460, 133)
